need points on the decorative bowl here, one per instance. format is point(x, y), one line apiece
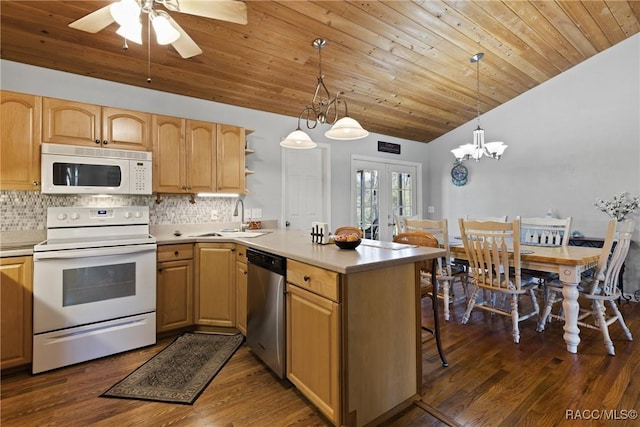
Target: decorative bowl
point(347, 245)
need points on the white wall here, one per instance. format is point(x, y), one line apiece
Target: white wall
point(270, 129)
point(572, 139)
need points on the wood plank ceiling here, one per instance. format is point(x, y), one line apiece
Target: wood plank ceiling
point(403, 65)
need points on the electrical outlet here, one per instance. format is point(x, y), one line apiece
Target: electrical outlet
point(214, 214)
point(431, 209)
point(256, 213)
point(247, 214)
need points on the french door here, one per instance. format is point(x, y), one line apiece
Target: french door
point(382, 192)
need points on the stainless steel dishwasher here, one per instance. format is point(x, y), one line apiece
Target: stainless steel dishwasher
point(265, 308)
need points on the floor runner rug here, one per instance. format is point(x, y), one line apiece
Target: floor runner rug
point(180, 372)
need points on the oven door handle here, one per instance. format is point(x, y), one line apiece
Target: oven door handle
point(94, 252)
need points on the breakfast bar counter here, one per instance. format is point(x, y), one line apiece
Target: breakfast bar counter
point(353, 334)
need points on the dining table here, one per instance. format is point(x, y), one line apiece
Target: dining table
point(569, 262)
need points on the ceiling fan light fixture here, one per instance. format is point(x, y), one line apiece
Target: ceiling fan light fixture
point(125, 11)
point(165, 32)
point(298, 140)
point(132, 32)
point(346, 129)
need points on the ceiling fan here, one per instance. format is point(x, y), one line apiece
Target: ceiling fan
point(127, 14)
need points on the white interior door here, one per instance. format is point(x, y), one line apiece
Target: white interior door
point(382, 191)
point(306, 187)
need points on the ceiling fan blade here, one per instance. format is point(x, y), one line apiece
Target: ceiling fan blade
point(95, 21)
point(224, 10)
point(185, 45)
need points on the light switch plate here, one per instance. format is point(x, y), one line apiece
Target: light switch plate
point(247, 214)
point(431, 209)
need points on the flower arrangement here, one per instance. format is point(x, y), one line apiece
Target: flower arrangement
point(619, 207)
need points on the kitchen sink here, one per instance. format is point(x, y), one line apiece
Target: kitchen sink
point(232, 234)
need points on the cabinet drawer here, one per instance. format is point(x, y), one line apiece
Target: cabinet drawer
point(241, 253)
point(175, 252)
point(318, 280)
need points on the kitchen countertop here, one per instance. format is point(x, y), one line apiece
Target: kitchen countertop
point(290, 244)
point(297, 245)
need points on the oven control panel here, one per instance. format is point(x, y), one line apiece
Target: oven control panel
point(59, 217)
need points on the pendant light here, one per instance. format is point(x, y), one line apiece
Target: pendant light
point(479, 148)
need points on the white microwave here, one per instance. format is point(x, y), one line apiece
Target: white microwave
point(74, 169)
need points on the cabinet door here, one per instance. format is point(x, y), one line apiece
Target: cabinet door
point(175, 295)
point(127, 130)
point(215, 297)
point(313, 348)
point(169, 174)
point(16, 329)
point(21, 116)
point(69, 122)
point(201, 156)
point(241, 296)
point(230, 159)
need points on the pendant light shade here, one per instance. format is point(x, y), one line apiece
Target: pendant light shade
point(298, 140)
point(346, 129)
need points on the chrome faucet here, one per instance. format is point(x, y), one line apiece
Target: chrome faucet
point(243, 226)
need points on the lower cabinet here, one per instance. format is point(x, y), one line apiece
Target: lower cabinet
point(242, 273)
point(174, 308)
point(16, 297)
point(313, 336)
point(215, 287)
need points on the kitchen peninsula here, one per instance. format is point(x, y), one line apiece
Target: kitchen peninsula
point(353, 321)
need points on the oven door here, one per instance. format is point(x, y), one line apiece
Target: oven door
point(84, 286)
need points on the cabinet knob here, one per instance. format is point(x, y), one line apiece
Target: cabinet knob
point(159, 270)
point(36, 183)
point(176, 253)
point(184, 187)
point(105, 142)
point(244, 272)
point(306, 278)
point(233, 249)
point(98, 141)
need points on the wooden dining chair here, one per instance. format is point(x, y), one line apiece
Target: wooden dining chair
point(428, 280)
point(348, 229)
point(600, 288)
point(551, 232)
point(493, 251)
point(446, 273)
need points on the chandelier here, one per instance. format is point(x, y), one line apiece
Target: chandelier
point(324, 109)
point(479, 148)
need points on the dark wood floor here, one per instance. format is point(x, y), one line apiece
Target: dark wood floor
point(490, 381)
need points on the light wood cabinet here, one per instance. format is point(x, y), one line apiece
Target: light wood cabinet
point(174, 308)
point(215, 290)
point(184, 155)
point(353, 340)
point(21, 116)
point(16, 297)
point(77, 123)
point(313, 335)
point(230, 159)
point(242, 273)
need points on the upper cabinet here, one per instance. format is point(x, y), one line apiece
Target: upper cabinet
point(77, 123)
point(20, 141)
point(184, 155)
point(191, 156)
point(231, 164)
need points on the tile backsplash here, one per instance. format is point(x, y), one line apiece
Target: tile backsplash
point(27, 210)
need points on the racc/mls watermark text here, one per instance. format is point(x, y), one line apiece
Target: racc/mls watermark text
point(601, 414)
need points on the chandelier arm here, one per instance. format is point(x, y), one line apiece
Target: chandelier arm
point(311, 122)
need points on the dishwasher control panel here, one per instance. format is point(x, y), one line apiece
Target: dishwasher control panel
point(271, 262)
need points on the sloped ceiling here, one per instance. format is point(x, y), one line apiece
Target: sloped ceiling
point(403, 65)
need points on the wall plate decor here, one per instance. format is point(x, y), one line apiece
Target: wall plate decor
point(459, 174)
